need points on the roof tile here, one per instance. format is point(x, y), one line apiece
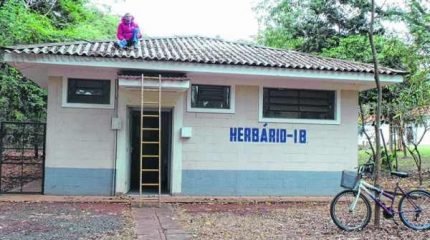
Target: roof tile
point(203, 50)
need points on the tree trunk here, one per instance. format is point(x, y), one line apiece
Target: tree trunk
point(419, 165)
point(401, 135)
point(364, 130)
point(391, 135)
point(420, 175)
point(377, 219)
point(396, 146)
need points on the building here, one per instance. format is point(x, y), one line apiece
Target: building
point(237, 119)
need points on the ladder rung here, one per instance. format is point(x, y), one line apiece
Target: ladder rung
point(150, 102)
point(148, 142)
point(150, 129)
point(150, 170)
point(150, 184)
point(150, 156)
point(150, 115)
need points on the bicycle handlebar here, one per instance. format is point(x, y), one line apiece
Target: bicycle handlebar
point(366, 168)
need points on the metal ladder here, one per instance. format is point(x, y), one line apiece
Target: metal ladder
point(144, 142)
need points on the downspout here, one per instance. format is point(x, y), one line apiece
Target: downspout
point(115, 148)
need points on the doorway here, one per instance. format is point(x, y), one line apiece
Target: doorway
point(151, 150)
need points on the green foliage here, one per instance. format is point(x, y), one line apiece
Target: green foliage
point(391, 52)
point(20, 99)
point(38, 21)
point(405, 163)
point(418, 20)
point(20, 25)
point(317, 24)
point(67, 20)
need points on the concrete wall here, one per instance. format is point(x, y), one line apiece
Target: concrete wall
point(80, 147)
point(81, 144)
point(212, 165)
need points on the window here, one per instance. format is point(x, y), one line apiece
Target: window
point(299, 104)
point(210, 96)
point(88, 91)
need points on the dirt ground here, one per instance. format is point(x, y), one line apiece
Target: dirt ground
point(309, 220)
point(278, 221)
point(50, 221)
point(21, 168)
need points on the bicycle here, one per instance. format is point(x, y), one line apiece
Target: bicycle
point(350, 209)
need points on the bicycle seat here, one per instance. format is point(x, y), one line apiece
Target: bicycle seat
point(400, 174)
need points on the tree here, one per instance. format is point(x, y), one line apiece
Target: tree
point(378, 112)
point(313, 25)
point(340, 29)
point(37, 21)
point(53, 21)
point(416, 97)
point(20, 99)
point(283, 18)
point(413, 110)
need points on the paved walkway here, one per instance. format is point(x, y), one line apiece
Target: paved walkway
point(157, 223)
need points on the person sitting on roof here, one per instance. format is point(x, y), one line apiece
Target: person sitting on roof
point(128, 33)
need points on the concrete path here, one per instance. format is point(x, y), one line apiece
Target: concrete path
point(157, 223)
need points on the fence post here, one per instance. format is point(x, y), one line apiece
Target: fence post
point(36, 129)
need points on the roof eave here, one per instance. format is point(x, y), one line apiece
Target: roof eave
point(126, 63)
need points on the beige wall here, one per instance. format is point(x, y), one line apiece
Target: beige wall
point(330, 147)
point(83, 138)
point(77, 137)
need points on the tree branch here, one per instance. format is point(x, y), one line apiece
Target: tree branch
point(50, 8)
point(410, 151)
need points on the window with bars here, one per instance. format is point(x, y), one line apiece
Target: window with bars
point(210, 96)
point(299, 104)
point(88, 91)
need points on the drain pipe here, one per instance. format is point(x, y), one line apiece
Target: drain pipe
point(115, 148)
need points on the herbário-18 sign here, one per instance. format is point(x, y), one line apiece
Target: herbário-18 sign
point(268, 135)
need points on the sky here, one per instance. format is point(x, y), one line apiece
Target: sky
point(228, 19)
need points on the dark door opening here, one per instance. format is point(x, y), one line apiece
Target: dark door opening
point(150, 149)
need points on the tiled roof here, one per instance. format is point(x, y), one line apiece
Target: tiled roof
point(202, 50)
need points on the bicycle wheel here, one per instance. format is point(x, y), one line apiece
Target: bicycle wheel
point(414, 209)
point(346, 219)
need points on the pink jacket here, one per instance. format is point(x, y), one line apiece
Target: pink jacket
point(125, 30)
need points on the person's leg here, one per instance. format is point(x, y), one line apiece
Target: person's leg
point(122, 43)
point(135, 38)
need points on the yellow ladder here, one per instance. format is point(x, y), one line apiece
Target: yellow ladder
point(144, 157)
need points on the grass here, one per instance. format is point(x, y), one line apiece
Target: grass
point(405, 163)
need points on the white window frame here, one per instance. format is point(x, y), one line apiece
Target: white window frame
point(337, 113)
point(213, 110)
point(87, 105)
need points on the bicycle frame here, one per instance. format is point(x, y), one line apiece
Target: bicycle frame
point(367, 189)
